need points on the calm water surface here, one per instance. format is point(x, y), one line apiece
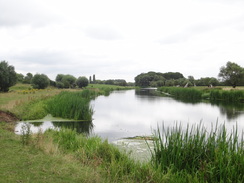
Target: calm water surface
point(130, 113)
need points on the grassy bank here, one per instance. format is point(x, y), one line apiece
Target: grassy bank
point(42, 163)
point(65, 156)
point(30, 104)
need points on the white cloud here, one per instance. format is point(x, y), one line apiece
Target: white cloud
point(121, 39)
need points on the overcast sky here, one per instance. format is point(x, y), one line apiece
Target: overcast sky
point(119, 39)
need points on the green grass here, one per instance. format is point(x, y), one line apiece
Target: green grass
point(20, 86)
point(20, 163)
point(65, 156)
point(193, 153)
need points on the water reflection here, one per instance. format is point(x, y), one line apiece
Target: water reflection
point(231, 110)
point(84, 127)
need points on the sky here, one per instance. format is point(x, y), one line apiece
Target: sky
point(119, 39)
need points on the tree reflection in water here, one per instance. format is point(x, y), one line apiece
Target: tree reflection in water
point(84, 127)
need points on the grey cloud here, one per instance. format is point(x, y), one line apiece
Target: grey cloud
point(15, 12)
point(102, 33)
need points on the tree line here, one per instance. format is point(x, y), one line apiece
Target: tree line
point(232, 74)
point(8, 78)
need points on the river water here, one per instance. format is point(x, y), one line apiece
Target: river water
point(130, 113)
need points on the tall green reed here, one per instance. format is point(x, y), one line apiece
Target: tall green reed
point(72, 105)
point(229, 96)
point(183, 93)
point(214, 156)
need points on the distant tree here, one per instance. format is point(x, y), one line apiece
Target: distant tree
point(59, 85)
point(68, 81)
point(109, 82)
point(90, 81)
point(82, 82)
point(20, 77)
point(27, 78)
point(213, 81)
point(52, 83)
point(8, 76)
point(191, 79)
point(172, 75)
point(232, 74)
point(156, 78)
point(94, 78)
point(59, 77)
point(40, 81)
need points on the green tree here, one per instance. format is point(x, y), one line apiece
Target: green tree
point(65, 81)
point(40, 81)
point(156, 78)
point(8, 76)
point(232, 74)
point(28, 78)
point(82, 82)
point(94, 78)
point(20, 77)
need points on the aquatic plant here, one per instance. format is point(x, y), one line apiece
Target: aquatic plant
point(229, 96)
point(183, 93)
point(210, 157)
point(71, 105)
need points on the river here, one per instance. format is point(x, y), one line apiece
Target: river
point(128, 113)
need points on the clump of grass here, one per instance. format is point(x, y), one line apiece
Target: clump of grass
point(208, 157)
point(72, 105)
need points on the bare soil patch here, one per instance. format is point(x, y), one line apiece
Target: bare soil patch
point(7, 117)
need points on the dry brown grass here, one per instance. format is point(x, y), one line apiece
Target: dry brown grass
point(10, 100)
point(227, 88)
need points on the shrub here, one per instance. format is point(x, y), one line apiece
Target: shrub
point(82, 82)
point(40, 81)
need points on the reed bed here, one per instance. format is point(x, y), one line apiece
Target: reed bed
point(214, 156)
point(183, 93)
point(72, 105)
point(229, 96)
